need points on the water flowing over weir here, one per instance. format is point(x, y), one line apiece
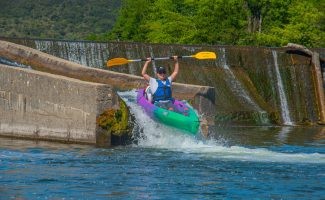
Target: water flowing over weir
point(245, 79)
point(283, 100)
point(235, 85)
point(150, 134)
point(12, 63)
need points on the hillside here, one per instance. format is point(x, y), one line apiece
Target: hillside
point(57, 19)
point(231, 22)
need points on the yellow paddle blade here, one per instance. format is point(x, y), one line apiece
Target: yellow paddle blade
point(205, 55)
point(117, 61)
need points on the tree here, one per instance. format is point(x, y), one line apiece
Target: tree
point(236, 22)
point(129, 26)
point(303, 25)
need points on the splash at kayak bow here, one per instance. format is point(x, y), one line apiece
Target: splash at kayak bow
point(185, 119)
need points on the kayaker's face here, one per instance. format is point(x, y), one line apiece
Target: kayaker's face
point(161, 76)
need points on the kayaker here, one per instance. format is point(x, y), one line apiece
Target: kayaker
point(161, 86)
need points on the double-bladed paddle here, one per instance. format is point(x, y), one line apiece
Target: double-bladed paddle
point(201, 55)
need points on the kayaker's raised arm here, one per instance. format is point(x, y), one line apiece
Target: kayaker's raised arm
point(176, 69)
point(144, 69)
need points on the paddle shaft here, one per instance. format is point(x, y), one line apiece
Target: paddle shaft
point(162, 58)
point(200, 55)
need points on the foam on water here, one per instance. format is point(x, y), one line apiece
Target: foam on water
point(13, 63)
point(151, 134)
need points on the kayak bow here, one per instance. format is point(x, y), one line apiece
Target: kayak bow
point(185, 119)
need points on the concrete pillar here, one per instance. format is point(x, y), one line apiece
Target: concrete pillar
point(319, 87)
point(318, 79)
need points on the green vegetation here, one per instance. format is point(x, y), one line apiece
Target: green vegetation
point(116, 121)
point(237, 22)
point(57, 19)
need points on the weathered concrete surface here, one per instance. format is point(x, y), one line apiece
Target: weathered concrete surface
point(43, 106)
point(318, 79)
point(202, 97)
point(319, 87)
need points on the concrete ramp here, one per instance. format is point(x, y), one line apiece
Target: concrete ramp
point(202, 97)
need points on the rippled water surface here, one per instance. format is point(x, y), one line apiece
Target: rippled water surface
point(236, 163)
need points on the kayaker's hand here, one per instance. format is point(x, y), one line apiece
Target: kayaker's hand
point(148, 60)
point(144, 69)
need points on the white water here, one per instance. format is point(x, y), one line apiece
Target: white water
point(283, 99)
point(132, 66)
point(152, 55)
point(235, 84)
point(88, 54)
point(13, 63)
point(156, 135)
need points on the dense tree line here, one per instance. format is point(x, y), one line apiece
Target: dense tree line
point(237, 22)
point(57, 19)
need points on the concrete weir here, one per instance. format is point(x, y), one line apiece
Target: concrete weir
point(39, 105)
point(202, 97)
point(70, 102)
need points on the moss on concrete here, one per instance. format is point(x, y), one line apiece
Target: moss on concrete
point(115, 121)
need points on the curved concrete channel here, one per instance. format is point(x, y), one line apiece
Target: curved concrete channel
point(64, 101)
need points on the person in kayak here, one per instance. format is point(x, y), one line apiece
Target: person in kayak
point(161, 87)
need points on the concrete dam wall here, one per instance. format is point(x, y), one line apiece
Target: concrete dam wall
point(43, 106)
point(253, 85)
